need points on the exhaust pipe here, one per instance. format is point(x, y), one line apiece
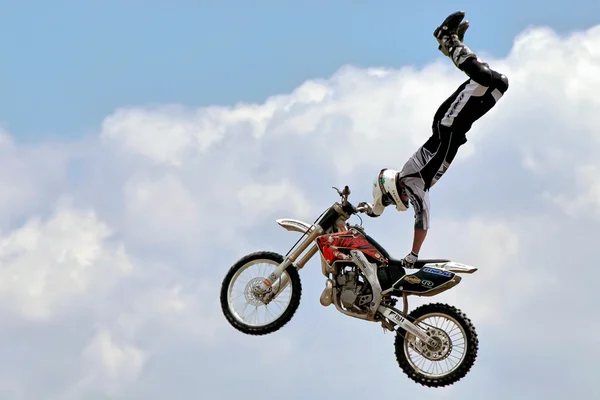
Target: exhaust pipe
point(327, 295)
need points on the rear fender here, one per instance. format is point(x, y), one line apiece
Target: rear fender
point(452, 266)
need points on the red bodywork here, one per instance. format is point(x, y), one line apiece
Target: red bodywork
point(332, 246)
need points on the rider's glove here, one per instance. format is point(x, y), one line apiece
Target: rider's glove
point(410, 260)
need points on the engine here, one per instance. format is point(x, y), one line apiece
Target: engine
point(355, 291)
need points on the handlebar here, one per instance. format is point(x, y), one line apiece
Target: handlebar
point(361, 209)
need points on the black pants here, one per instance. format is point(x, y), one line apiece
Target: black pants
point(455, 116)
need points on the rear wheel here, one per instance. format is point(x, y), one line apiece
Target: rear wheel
point(451, 359)
point(277, 311)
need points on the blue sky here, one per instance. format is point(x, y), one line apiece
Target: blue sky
point(65, 65)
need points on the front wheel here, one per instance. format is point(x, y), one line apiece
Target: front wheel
point(453, 356)
point(246, 318)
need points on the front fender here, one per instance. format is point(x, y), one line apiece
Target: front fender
point(295, 225)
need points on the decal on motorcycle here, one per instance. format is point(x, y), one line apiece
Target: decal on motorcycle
point(412, 279)
point(341, 256)
point(398, 318)
point(437, 272)
point(332, 246)
point(426, 283)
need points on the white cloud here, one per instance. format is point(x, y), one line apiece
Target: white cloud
point(169, 197)
point(115, 360)
point(160, 208)
point(48, 266)
point(583, 200)
point(31, 176)
point(109, 365)
point(270, 198)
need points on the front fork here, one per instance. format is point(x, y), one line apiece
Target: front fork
point(266, 286)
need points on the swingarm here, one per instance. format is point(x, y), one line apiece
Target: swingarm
point(395, 316)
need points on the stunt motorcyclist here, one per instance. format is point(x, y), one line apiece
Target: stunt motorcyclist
point(453, 119)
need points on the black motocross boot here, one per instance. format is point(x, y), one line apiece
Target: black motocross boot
point(462, 28)
point(450, 35)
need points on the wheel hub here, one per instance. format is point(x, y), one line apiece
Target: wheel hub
point(252, 292)
point(439, 347)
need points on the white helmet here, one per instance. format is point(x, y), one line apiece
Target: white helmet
point(385, 192)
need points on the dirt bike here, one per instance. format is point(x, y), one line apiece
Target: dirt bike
point(364, 282)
